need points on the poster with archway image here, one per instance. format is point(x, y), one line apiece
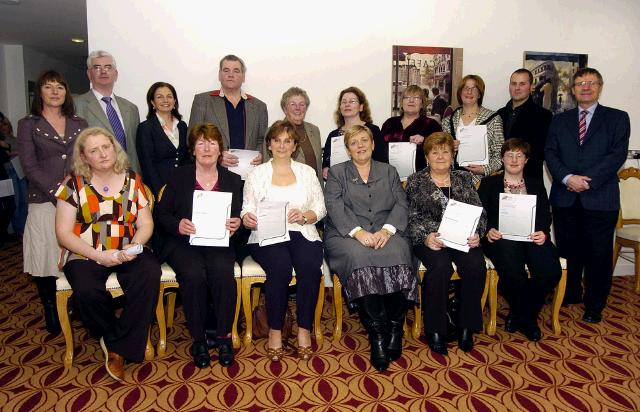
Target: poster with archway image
point(552, 74)
point(437, 70)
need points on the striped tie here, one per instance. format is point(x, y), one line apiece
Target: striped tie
point(582, 126)
point(118, 131)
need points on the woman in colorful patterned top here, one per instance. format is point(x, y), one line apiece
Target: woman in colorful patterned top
point(102, 213)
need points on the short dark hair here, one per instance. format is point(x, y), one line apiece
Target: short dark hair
point(279, 127)
point(524, 71)
point(68, 108)
point(435, 91)
point(151, 93)
point(233, 58)
point(479, 85)
point(584, 71)
point(208, 131)
point(515, 144)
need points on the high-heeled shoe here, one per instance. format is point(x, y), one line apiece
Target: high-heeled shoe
point(275, 354)
point(437, 343)
point(305, 352)
point(465, 340)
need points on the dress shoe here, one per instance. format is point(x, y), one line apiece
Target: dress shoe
point(532, 332)
point(212, 341)
point(571, 300)
point(591, 316)
point(200, 354)
point(113, 363)
point(275, 354)
point(305, 352)
point(437, 343)
point(225, 352)
point(511, 323)
point(465, 340)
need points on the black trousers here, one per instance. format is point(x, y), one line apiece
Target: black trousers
point(278, 261)
point(140, 281)
point(204, 272)
point(585, 239)
point(435, 285)
point(525, 295)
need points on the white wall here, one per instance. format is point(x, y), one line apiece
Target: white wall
point(13, 91)
point(329, 45)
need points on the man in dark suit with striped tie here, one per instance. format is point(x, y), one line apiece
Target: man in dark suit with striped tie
point(585, 149)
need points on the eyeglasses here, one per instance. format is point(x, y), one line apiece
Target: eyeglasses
point(352, 101)
point(412, 98)
point(469, 89)
point(589, 83)
point(107, 68)
point(514, 156)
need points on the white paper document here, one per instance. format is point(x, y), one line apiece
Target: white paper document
point(473, 149)
point(517, 216)
point(210, 213)
point(459, 222)
point(6, 188)
point(17, 166)
point(338, 151)
point(402, 156)
point(244, 166)
point(272, 222)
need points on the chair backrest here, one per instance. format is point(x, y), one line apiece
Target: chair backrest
point(150, 197)
point(629, 195)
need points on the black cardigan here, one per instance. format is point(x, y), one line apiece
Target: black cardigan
point(489, 192)
point(177, 204)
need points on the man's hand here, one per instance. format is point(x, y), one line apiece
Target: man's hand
point(257, 160)
point(577, 183)
point(229, 159)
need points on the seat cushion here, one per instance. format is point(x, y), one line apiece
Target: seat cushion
point(629, 232)
point(63, 284)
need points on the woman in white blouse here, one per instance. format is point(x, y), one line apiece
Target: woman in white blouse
point(284, 179)
point(161, 140)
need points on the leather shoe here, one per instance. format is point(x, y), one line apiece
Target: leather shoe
point(437, 343)
point(465, 340)
point(511, 323)
point(533, 332)
point(592, 316)
point(200, 354)
point(113, 363)
point(571, 300)
point(225, 352)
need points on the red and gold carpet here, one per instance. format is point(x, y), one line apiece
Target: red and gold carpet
point(588, 368)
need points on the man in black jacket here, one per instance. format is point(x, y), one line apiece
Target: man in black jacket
point(522, 118)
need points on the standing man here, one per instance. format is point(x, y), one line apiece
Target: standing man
point(101, 108)
point(241, 118)
point(439, 104)
point(524, 119)
point(585, 149)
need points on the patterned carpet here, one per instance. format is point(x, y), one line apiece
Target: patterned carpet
point(589, 367)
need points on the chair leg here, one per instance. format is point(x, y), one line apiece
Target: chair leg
point(246, 307)
point(337, 307)
point(149, 353)
point(616, 254)
point(317, 327)
point(235, 339)
point(171, 309)
point(417, 310)
point(62, 298)
point(636, 255)
point(558, 297)
point(255, 297)
point(491, 288)
point(162, 325)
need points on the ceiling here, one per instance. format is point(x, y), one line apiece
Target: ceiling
point(47, 26)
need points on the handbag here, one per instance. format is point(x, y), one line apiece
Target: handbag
point(260, 325)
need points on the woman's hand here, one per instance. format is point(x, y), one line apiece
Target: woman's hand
point(250, 221)
point(295, 216)
point(475, 169)
point(365, 238)
point(417, 139)
point(112, 257)
point(186, 227)
point(432, 241)
point(493, 235)
point(233, 224)
point(473, 241)
point(538, 237)
point(381, 238)
point(325, 173)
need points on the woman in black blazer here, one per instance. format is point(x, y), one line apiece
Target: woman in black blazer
point(524, 294)
point(161, 141)
point(202, 271)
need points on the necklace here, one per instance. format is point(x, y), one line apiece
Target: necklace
point(469, 114)
point(443, 183)
point(511, 187)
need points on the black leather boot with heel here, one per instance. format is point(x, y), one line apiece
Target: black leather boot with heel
point(373, 316)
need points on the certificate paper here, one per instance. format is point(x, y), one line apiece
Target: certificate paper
point(402, 156)
point(17, 166)
point(244, 166)
point(272, 222)
point(517, 216)
point(473, 149)
point(6, 187)
point(338, 151)
point(210, 213)
point(459, 223)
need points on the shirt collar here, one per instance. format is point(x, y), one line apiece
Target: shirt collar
point(162, 122)
point(100, 96)
point(591, 109)
point(221, 94)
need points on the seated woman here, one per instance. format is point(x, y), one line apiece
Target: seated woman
point(284, 179)
point(201, 271)
point(428, 192)
point(366, 245)
point(524, 294)
point(102, 213)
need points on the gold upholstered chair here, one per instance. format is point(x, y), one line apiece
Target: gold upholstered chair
point(629, 236)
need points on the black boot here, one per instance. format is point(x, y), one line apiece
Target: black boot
point(47, 291)
point(374, 319)
point(396, 308)
point(465, 340)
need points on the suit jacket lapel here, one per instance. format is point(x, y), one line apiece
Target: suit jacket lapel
point(315, 144)
point(572, 122)
point(594, 124)
point(96, 110)
point(126, 119)
point(250, 118)
point(220, 113)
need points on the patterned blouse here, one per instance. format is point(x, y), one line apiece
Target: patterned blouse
point(104, 222)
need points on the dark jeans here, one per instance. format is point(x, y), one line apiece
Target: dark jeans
point(278, 261)
point(204, 272)
point(140, 281)
point(585, 239)
point(435, 286)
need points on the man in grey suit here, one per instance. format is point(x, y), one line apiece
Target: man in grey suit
point(241, 118)
point(101, 108)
